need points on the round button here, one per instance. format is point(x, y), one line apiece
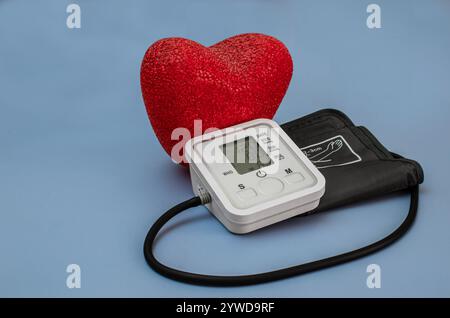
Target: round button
point(270, 186)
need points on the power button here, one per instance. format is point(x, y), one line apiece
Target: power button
point(270, 186)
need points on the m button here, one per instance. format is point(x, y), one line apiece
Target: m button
point(294, 177)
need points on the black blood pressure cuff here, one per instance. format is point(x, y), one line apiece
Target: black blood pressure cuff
point(355, 164)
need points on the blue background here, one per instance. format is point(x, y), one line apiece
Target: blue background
point(82, 175)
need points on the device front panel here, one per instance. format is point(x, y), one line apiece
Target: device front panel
point(255, 165)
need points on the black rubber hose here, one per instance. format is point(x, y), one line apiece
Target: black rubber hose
point(212, 280)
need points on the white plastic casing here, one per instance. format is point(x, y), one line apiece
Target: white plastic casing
point(245, 202)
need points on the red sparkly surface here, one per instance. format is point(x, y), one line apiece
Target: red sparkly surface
point(236, 80)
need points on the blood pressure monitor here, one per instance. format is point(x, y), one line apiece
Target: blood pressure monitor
point(254, 174)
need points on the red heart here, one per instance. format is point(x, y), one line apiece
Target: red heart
point(238, 79)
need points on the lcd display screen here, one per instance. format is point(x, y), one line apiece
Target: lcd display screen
point(246, 155)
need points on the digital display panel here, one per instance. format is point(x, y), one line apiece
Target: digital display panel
point(246, 155)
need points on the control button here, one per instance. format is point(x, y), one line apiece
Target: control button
point(261, 174)
point(271, 186)
point(294, 177)
point(246, 194)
